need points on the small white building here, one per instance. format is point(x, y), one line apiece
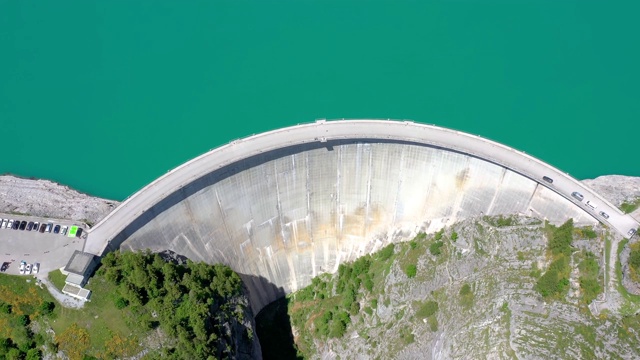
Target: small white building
point(78, 270)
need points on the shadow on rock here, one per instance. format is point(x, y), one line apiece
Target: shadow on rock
point(274, 331)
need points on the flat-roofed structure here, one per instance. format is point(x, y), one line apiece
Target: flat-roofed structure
point(79, 267)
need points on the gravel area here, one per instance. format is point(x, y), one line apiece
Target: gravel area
point(48, 199)
point(63, 299)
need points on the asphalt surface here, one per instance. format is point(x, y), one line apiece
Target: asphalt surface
point(52, 251)
point(322, 131)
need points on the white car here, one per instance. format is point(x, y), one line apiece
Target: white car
point(10, 224)
point(22, 266)
point(63, 231)
point(36, 268)
point(4, 223)
point(28, 269)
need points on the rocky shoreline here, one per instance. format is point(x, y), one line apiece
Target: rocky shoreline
point(46, 198)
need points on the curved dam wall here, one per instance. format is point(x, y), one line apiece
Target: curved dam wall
point(283, 216)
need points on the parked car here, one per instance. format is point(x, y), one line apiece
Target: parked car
point(56, 229)
point(28, 269)
point(577, 195)
point(42, 227)
point(23, 264)
point(23, 225)
point(36, 226)
point(48, 228)
point(591, 205)
point(63, 231)
point(547, 179)
point(36, 268)
point(604, 214)
point(631, 232)
point(16, 225)
point(10, 224)
point(30, 226)
point(4, 223)
point(79, 232)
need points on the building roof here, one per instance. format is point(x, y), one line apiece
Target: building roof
point(74, 279)
point(76, 291)
point(80, 263)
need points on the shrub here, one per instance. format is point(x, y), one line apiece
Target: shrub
point(386, 252)
point(5, 308)
point(368, 283)
point(454, 236)
point(34, 354)
point(427, 309)
point(552, 283)
point(435, 248)
point(634, 259)
point(465, 289)
point(47, 307)
point(560, 238)
point(23, 320)
point(411, 270)
point(589, 233)
point(122, 303)
point(590, 287)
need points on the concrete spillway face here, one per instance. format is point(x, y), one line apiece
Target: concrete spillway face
point(283, 217)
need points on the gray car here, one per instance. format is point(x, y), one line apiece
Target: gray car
point(577, 195)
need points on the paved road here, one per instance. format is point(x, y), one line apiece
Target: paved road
point(51, 251)
point(321, 131)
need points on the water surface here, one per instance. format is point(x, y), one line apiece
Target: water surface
point(107, 96)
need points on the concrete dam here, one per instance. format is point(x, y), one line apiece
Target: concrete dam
point(282, 207)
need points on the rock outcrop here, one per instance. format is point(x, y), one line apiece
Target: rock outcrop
point(49, 199)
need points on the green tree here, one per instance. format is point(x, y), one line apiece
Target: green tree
point(34, 354)
point(47, 307)
point(23, 320)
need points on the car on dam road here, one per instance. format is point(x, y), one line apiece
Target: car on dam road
point(547, 179)
point(604, 214)
point(577, 195)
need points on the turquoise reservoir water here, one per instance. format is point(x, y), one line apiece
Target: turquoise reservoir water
point(106, 96)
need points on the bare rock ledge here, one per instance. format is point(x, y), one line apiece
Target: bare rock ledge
point(49, 199)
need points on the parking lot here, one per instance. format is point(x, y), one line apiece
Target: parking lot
point(50, 250)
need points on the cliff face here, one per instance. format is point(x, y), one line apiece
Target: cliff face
point(484, 284)
point(48, 199)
